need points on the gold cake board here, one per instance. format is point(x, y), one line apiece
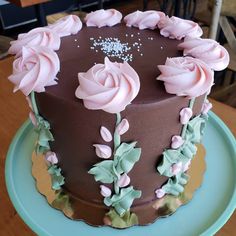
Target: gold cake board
point(77, 209)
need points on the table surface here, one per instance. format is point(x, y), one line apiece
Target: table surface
point(14, 111)
point(26, 3)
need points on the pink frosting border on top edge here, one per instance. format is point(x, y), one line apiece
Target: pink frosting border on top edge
point(186, 76)
point(101, 18)
point(177, 28)
point(207, 50)
point(66, 25)
point(144, 20)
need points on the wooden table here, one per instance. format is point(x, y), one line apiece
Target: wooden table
point(39, 11)
point(14, 111)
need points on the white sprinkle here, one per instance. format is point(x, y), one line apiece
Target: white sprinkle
point(139, 39)
point(132, 35)
point(141, 54)
point(75, 40)
point(138, 33)
point(161, 48)
point(77, 46)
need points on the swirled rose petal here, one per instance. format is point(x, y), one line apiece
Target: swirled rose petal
point(186, 76)
point(35, 69)
point(185, 115)
point(176, 141)
point(144, 20)
point(123, 127)
point(105, 191)
point(105, 134)
point(103, 151)
point(51, 157)
point(101, 18)
point(67, 25)
point(36, 37)
point(160, 193)
point(177, 28)
point(123, 181)
point(109, 86)
point(207, 50)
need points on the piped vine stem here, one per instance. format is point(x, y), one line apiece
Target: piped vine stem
point(116, 135)
point(34, 105)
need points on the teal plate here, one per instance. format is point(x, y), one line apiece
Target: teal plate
point(210, 208)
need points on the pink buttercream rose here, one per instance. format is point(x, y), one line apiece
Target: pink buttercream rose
point(207, 50)
point(36, 37)
point(36, 68)
point(186, 76)
point(177, 28)
point(144, 20)
point(67, 25)
point(110, 86)
point(101, 18)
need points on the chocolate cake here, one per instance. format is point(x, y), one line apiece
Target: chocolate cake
point(118, 123)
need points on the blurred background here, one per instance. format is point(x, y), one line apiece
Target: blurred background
point(216, 17)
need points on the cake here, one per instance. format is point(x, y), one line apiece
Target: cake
point(119, 106)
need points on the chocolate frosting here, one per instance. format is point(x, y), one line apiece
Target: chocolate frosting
point(153, 115)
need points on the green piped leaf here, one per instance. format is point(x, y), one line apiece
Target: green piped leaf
point(123, 201)
point(175, 184)
point(44, 135)
point(195, 129)
point(188, 151)
point(57, 179)
point(127, 220)
point(126, 156)
point(103, 172)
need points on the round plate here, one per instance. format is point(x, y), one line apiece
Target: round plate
point(210, 208)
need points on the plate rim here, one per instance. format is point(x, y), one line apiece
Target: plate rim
point(26, 126)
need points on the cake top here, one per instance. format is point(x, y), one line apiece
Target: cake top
point(136, 41)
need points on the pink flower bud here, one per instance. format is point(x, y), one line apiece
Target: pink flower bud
point(123, 181)
point(123, 127)
point(176, 168)
point(105, 134)
point(177, 141)
point(103, 151)
point(160, 193)
point(51, 157)
point(105, 191)
point(185, 115)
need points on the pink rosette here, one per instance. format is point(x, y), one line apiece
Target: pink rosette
point(110, 86)
point(35, 69)
point(177, 28)
point(36, 37)
point(67, 25)
point(186, 76)
point(144, 20)
point(101, 18)
point(207, 50)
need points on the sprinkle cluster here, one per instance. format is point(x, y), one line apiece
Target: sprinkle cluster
point(114, 47)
